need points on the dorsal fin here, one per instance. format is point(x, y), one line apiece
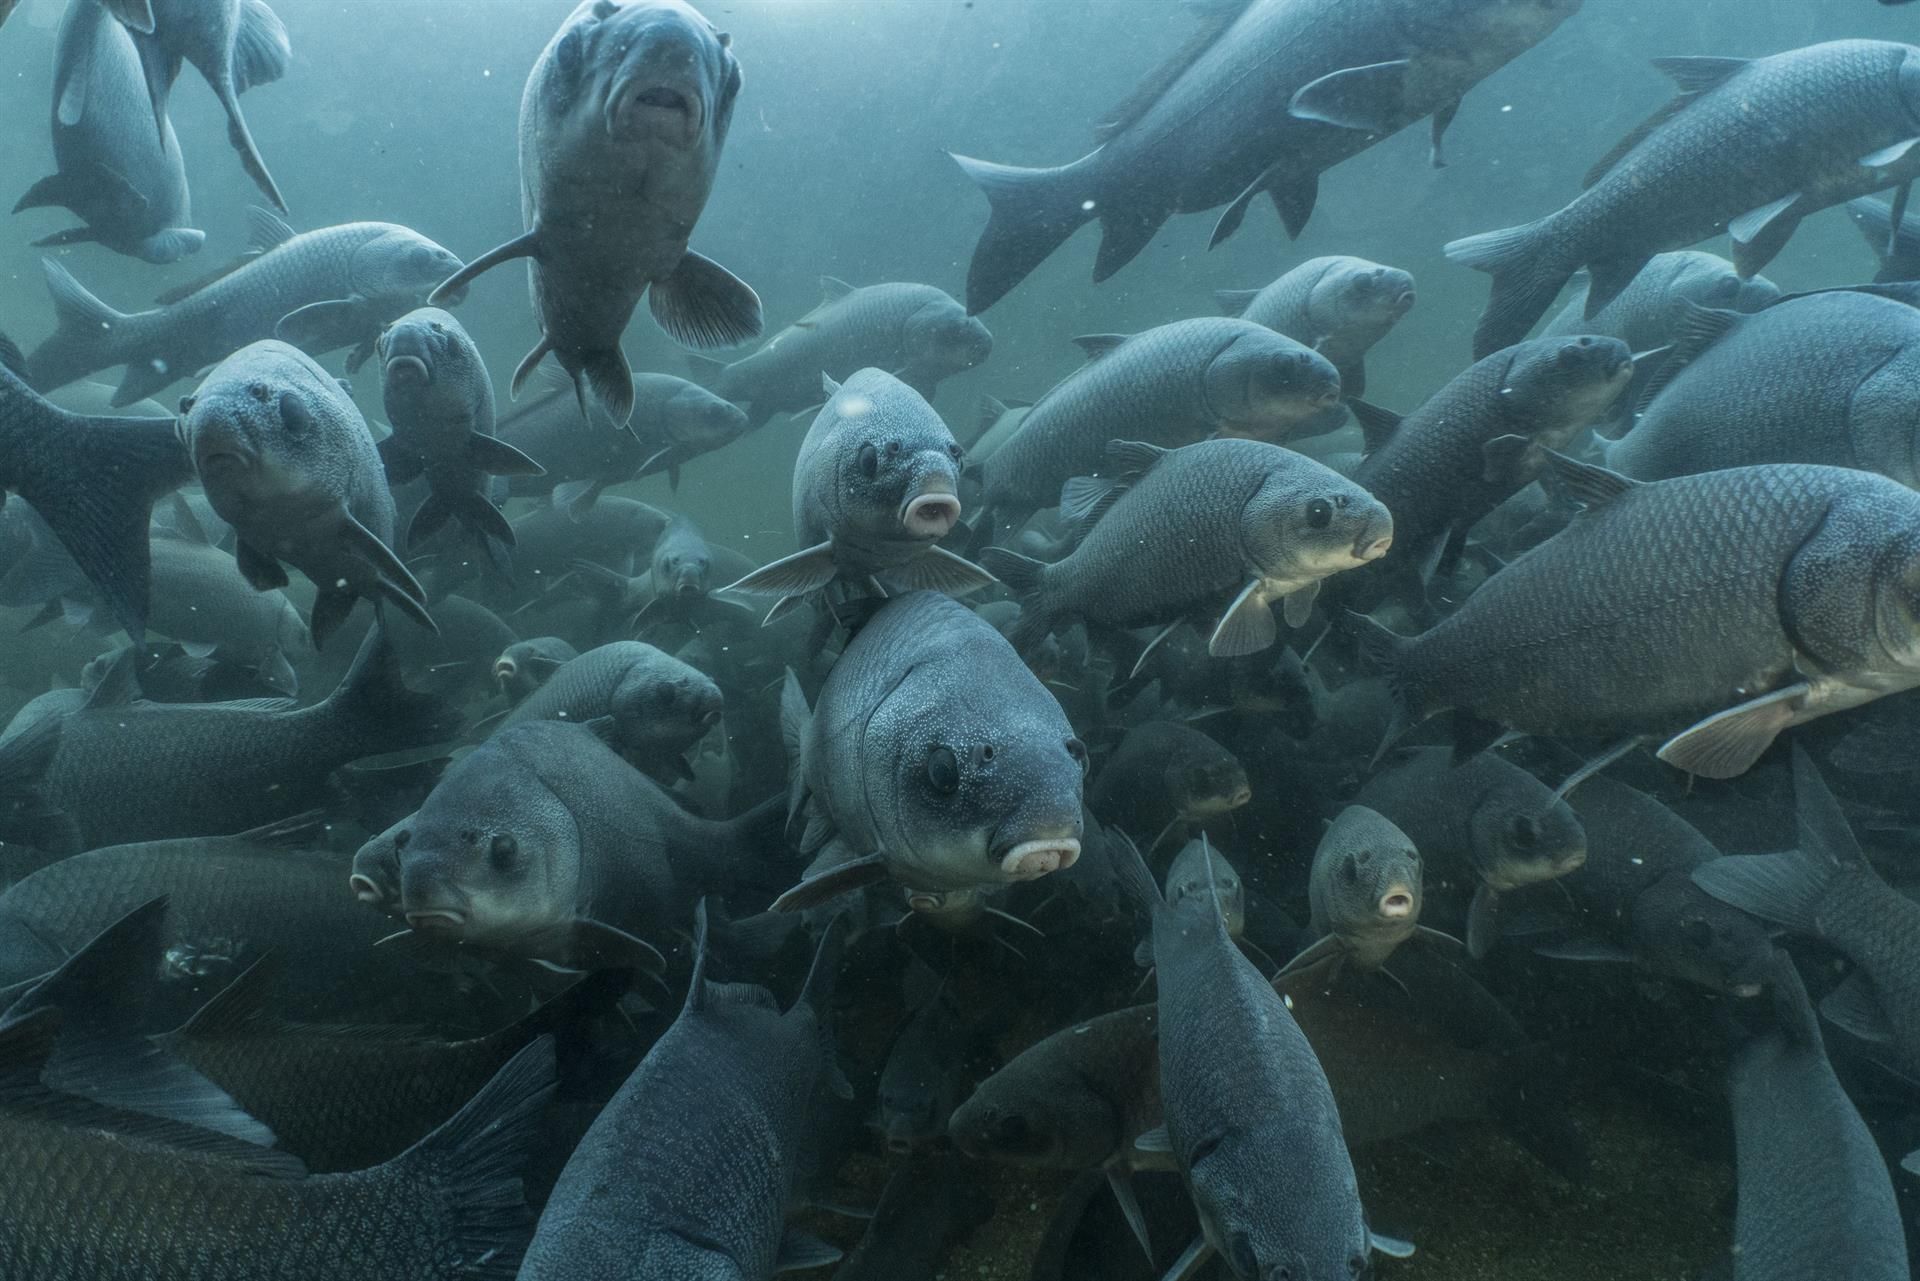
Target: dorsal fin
point(833, 289)
point(1699, 74)
point(1377, 425)
point(1587, 484)
point(240, 1006)
point(266, 230)
point(1098, 345)
point(1215, 17)
point(120, 684)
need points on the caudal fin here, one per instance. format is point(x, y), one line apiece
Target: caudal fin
point(1034, 211)
point(88, 335)
point(1527, 276)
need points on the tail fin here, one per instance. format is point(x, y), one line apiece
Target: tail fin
point(474, 1163)
point(1024, 577)
point(1034, 211)
point(88, 335)
point(612, 382)
point(1526, 279)
point(1385, 648)
point(376, 701)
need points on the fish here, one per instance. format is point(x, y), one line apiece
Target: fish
point(236, 44)
point(126, 184)
point(1897, 252)
point(287, 460)
point(542, 842)
point(450, 1207)
point(318, 290)
point(683, 573)
point(1750, 146)
point(128, 770)
point(1340, 306)
point(92, 481)
point(922, 1078)
point(1817, 379)
point(200, 599)
point(621, 128)
point(1168, 386)
point(1266, 97)
point(874, 492)
point(1163, 777)
point(439, 401)
point(616, 532)
point(917, 333)
point(1477, 441)
point(689, 1170)
point(658, 707)
point(1827, 888)
point(1171, 534)
point(526, 665)
point(933, 757)
point(1365, 892)
point(1814, 1196)
point(1648, 312)
point(674, 422)
point(1726, 575)
point(1483, 815)
point(1239, 1084)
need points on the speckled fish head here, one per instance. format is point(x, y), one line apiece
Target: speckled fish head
point(896, 467)
point(1520, 833)
point(1359, 294)
point(1308, 521)
point(1564, 384)
point(1682, 932)
point(1039, 1111)
point(971, 783)
point(493, 856)
point(265, 423)
point(1261, 1237)
point(666, 703)
point(1367, 876)
point(399, 268)
point(1261, 384)
point(654, 75)
point(698, 419)
point(941, 337)
point(682, 565)
point(1895, 588)
point(1187, 881)
point(426, 360)
point(1205, 779)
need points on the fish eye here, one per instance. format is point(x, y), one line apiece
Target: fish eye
point(1319, 513)
point(437, 327)
point(502, 851)
point(401, 837)
point(869, 461)
point(1523, 831)
point(1349, 873)
point(1245, 1262)
point(1078, 750)
point(1357, 1265)
point(954, 452)
point(1010, 1129)
point(943, 770)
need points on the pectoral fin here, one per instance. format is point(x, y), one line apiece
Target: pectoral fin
point(1726, 744)
point(1247, 626)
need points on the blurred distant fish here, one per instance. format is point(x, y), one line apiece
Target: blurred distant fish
point(1751, 146)
point(1898, 252)
point(1649, 311)
point(126, 183)
point(621, 127)
point(319, 290)
point(1265, 97)
point(1338, 306)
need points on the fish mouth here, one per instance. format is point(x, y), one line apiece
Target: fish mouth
point(1371, 547)
point(688, 591)
point(931, 515)
point(409, 369)
point(505, 669)
point(1030, 860)
point(364, 889)
point(1403, 303)
point(1746, 991)
point(223, 458)
point(1327, 398)
point(1396, 904)
point(665, 111)
point(436, 920)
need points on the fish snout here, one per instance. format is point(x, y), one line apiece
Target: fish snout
point(436, 920)
point(1397, 903)
point(364, 888)
point(657, 102)
point(1372, 545)
point(1030, 860)
point(932, 512)
point(505, 669)
point(408, 370)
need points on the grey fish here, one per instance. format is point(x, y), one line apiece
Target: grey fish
point(1898, 252)
point(689, 1170)
point(685, 568)
point(1648, 312)
point(288, 461)
point(526, 665)
point(1483, 815)
point(1168, 386)
point(658, 706)
point(1339, 306)
point(235, 44)
point(621, 126)
point(674, 422)
point(1479, 440)
point(1267, 96)
point(618, 533)
point(1827, 888)
point(127, 185)
point(933, 756)
point(1750, 146)
point(93, 482)
point(874, 490)
point(133, 771)
point(451, 1207)
point(917, 333)
point(201, 600)
point(1728, 575)
point(542, 842)
point(923, 1076)
point(1200, 870)
point(1163, 776)
point(318, 290)
point(1172, 533)
point(1239, 1084)
point(1828, 378)
point(1814, 1195)
point(1365, 891)
point(440, 402)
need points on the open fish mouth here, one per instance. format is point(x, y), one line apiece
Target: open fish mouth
point(505, 669)
point(436, 920)
point(1396, 905)
point(364, 889)
point(931, 515)
point(659, 110)
point(1371, 547)
point(1030, 860)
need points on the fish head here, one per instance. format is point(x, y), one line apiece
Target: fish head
point(1521, 833)
point(376, 869)
point(1040, 1112)
point(1909, 82)
point(665, 703)
point(398, 268)
point(257, 435)
point(682, 567)
point(942, 338)
point(1262, 384)
point(700, 420)
point(1366, 876)
point(1308, 522)
point(976, 784)
point(1205, 780)
point(1265, 1238)
point(653, 75)
point(1562, 384)
point(1361, 295)
point(898, 467)
point(1276, 683)
point(493, 857)
point(1895, 589)
point(1188, 878)
point(1680, 931)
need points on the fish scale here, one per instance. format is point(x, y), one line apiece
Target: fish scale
point(1879, 928)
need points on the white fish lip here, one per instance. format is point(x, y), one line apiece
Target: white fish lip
point(675, 113)
point(1030, 860)
point(505, 669)
point(1396, 904)
point(931, 515)
point(401, 363)
point(1367, 549)
point(364, 889)
point(436, 920)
